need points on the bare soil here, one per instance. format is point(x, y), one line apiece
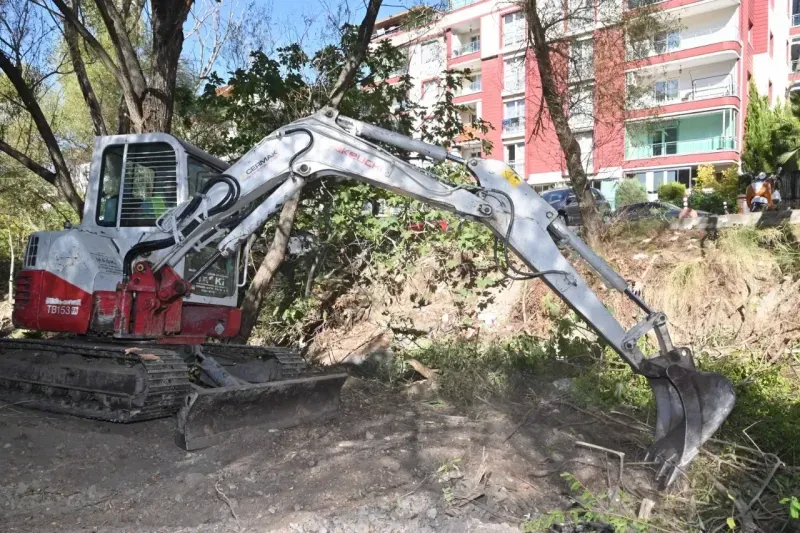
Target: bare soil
point(386, 463)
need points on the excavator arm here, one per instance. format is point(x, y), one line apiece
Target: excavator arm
point(691, 405)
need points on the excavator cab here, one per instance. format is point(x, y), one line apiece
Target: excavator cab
point(135, 179)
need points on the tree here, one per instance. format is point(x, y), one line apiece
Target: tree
point(579, 81)
point(146, 82)
point(757, 155)
point(350, 67)
point(630, 191)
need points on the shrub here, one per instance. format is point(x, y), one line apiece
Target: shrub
point(710, 202)
point(672, 192)
point(630, 191)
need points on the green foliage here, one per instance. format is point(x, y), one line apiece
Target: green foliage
point(617, 511)
point(793, 507)
point(630, 191)
point(712, 202)
point(770, 134)
point(672, 192)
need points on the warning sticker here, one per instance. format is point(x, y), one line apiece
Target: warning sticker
point(511, 177)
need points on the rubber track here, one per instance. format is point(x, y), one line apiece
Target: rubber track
point(166, 389)
point(292, 363)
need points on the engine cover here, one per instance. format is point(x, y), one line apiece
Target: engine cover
point(64, 271)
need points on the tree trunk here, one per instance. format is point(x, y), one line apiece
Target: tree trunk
point(73, 46)
point(11, 269)
point(167, 29)
point(61, 178)
point(552, 95)
point(254, 297)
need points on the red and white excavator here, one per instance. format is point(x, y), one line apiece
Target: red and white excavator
point(138, 289)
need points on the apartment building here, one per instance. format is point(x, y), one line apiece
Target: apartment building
point(694, 80)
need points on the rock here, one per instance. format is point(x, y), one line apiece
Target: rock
point(271, 510)
point(193, 479)
point(370, 436)
point(7, 445)
point(431, 514)
point(297, 507)
point(22, 488)
point(564, 384)
point(312, 463)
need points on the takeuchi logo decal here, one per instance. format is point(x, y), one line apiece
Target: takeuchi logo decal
point(361, 158)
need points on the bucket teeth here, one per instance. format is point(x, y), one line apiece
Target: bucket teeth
point(691, 405)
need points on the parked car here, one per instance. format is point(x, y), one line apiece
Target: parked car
point(565, 201)
point(664, 210)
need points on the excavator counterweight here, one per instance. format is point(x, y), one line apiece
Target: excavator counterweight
point(153, 271)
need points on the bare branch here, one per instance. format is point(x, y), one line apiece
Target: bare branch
point(27, 162)
point(353, 63)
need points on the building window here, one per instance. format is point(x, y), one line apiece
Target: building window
point(664, 141)
point(402, 68)
point(430, 90)
point(667, 42)
point(581, 60)
point(514, 75)
point(667, 91)
point(514, 116)
point(431, 57)
point(581, 107)
point(586, 142)
point(514, 29)
point(515, 157)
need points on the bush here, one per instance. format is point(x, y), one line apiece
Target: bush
point(725, 186)
point(672, 192)
point(630, 191)
point(710, 202)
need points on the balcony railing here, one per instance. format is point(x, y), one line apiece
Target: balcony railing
point(713, 87)
point(472, 86)
point(694, 146)
point(515, 36)
point(514, 125)
point(517, 166)
point(633, 4)
point(796, 19)
point(455, 4)
point(468, 48)
point(513, 84)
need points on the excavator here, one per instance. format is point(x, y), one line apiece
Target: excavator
point(139, 298)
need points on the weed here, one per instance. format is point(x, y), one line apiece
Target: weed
point(615, 511)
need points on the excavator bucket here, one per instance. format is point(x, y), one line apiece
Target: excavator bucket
point(211, 415)
point(691, 405)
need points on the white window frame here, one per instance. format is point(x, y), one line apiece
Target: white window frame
point(514, 29)
point(514, 74)
point(665, 92)
point(517, 107)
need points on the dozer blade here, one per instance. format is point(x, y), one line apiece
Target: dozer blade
point(211, 415)
point(691, 405)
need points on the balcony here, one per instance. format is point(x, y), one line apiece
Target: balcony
point(517, 166)
point(455, 4)
point(694, 146)
point(470, 86)
point(665, 43)
point(514, 126)
point(468, 48)
point(796, 19)
point(682, 88)
point(693, 134)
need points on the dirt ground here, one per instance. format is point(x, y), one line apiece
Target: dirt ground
point(386, 463)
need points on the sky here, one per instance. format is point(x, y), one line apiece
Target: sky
point(307, 21)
